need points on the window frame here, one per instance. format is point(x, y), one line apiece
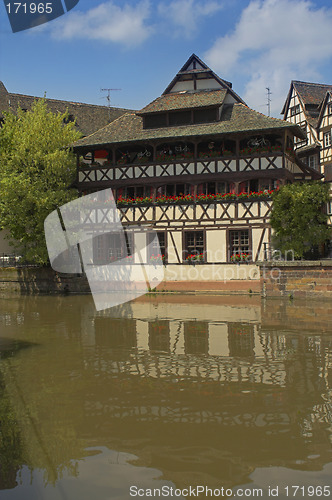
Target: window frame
point(248, 249)
point(163, 248)
point(327, 139)
point(185, 248)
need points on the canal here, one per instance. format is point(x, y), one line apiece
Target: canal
point(170, 392)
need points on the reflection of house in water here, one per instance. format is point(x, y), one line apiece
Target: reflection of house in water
point(196, 337)
point(205, 404)
point(159, 338)
point(115, 332)
point(241, 339)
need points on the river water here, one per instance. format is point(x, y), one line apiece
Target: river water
point(165, 393)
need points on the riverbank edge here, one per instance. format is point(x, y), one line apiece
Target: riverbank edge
point(303, 279)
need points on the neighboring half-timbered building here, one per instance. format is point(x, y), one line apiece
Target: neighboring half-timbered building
point(325, 134)
point(196, 165)
point(309, 106)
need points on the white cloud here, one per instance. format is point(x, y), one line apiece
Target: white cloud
point(185, 14)
point(124, 25)
point(274, 42)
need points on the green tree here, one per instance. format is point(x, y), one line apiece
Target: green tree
point(298, 217)
point(36, 171)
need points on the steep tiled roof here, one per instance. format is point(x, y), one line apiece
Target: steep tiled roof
point(185, 100)
point(89, 117)
point(235, 118)
point(312, 96)
point(311, 93)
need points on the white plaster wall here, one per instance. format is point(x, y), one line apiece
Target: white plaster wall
point(187, 85)
point(210, 83)
point(177, 236)
point(256, 235)
point(216, 246)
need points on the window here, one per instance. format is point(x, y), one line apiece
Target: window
point(329, 108)
point(249, 186)
point(222, 187)
point(295, 110)
point(239, 242)
point(194, 244)
point(313, 161)
point(154, 247)
point(180, 118)
point(133, 192)
point(112, 247)
point(155, 121)
point(327, 139)
point(205, 115)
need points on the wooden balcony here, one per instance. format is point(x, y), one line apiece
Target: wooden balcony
point(107, 175)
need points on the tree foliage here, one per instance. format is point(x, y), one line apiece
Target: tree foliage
point(36, 171)
point(299, 217)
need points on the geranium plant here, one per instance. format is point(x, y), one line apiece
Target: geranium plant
point(240, 257)
point(194, 257)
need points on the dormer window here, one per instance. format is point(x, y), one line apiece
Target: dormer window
point(183, 117)
point(205, 115)
point(179, 118)
point(155, 120)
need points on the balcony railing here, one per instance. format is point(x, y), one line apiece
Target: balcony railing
point(189, 157)
point(98, 173)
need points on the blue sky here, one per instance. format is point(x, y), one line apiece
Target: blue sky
point(139, 45)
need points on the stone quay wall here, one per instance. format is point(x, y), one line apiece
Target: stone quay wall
point(30, 280)
point(307, 279)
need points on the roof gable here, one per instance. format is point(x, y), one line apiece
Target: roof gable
point(195, 76)
point(327, 100)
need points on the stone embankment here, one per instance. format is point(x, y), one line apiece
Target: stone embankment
point(307, 279)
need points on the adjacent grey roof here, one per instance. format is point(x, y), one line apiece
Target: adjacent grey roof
point(89, 117)
point(235, 118)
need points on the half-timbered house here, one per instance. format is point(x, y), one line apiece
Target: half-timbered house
point(198, 166)
point(324, 127)
point(309, 106)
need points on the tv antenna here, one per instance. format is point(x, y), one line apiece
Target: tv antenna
point(108, 97)
point(269, 93)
